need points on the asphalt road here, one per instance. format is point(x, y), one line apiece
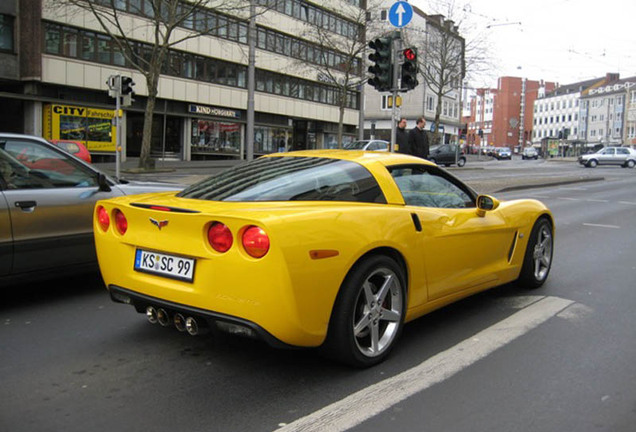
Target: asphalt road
point(559, 358)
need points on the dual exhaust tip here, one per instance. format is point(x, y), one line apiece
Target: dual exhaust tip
point(181, 323)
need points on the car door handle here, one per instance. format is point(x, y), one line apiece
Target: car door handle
point(25, 205)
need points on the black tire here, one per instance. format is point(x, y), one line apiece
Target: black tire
point(461, 162)
point(592, 163)
point(368, 316)
point(630, 164)
point(537, 260)
point(432, 160)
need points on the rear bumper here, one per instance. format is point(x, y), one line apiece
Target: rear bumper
point(141, 301)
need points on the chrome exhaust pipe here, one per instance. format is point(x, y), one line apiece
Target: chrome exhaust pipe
point(179, 322)
point(163, 317)
point(192, 326)
point(151, 314)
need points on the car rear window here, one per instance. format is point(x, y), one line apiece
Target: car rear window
point(290, 179)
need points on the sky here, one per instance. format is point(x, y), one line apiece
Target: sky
point(563, 41)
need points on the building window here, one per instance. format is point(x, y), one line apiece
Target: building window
point(6, 33)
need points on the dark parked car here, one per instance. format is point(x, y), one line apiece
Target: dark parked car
point(47, 198)
point(447, 155)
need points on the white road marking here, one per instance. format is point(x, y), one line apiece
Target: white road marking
point(627, 202)
point(569, 199)
point(366, 403)
point(601, 226)
point(597, 200)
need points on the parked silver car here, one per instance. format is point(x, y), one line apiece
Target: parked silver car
point(46, 208)
point(371, 145)
point(621, 156)
point(530, 153)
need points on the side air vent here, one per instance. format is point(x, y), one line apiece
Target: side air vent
point(512, 246)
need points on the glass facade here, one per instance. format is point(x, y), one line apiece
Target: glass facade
point(215, 137)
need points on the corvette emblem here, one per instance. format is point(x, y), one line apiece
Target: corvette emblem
point(158, 224)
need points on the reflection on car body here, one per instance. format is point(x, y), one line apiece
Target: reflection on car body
point(46, 203)
point(331, 248)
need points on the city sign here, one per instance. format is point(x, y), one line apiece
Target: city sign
point(400, 14)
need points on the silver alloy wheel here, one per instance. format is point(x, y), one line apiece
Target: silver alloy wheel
point(378, 312)
point(542, 254)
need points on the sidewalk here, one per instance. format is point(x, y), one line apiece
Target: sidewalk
point(188, 172)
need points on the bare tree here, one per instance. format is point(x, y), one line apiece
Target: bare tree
point(340, 59)
point(167, 23)
point(449, 57)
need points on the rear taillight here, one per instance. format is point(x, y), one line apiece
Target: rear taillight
point(255, 242)
point(220, 237)
point(120, 222)
point(102, 218)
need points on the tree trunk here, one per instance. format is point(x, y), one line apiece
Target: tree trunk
point(146, 162)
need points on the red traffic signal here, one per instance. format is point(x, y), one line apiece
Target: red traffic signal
point(410, 54)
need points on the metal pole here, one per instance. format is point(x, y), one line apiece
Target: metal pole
point(251, 39)
point(396, 49)
point(118, 131)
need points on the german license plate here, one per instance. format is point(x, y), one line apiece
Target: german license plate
point(170, 266)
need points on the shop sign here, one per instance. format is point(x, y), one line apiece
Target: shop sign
point(214, 111)
point(91, 126)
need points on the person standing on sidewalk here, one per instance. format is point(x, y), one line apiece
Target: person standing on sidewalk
point(402, 137)
point(418, 139)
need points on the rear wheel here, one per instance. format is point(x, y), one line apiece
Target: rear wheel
point(630, 164)
point(369, 313)
point(461, 162)
point(538, 258)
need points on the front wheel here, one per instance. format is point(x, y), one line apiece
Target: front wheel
point(592, 163)
point(538, 257)
point(432, 160)
point(369, 313)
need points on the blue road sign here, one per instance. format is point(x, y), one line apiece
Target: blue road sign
point(400, 14)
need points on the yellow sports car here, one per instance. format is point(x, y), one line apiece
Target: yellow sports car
point(332, 248)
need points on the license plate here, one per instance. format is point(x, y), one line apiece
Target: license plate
point(170, 266)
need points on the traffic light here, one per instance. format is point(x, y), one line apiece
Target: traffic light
point(382, 69)
point(114, 85)
point(409, 69)
point(127, 92)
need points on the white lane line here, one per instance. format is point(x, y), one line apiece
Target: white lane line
point(569, 199)
point(597, 200)
point(627, 202)
point(601, 226)
point(366, 403)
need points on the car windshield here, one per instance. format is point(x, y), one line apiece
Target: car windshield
point(290, 179)
point(355, 145)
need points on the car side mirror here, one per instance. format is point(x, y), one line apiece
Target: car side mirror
point(486, 203)
point(103, 183)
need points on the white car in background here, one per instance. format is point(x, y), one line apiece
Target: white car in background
point(530, 153)
point(621, 156)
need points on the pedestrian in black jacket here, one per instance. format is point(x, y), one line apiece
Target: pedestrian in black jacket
point(402, 137)
point(418, 139)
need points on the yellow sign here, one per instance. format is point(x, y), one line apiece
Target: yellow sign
point(93, 127)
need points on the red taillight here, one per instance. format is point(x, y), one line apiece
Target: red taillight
point(220, 237)
point(102, 218)
point(120, 222)
point(256, 242)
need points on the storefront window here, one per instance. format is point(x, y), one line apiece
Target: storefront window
point(211, 137)
point(269, 140)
